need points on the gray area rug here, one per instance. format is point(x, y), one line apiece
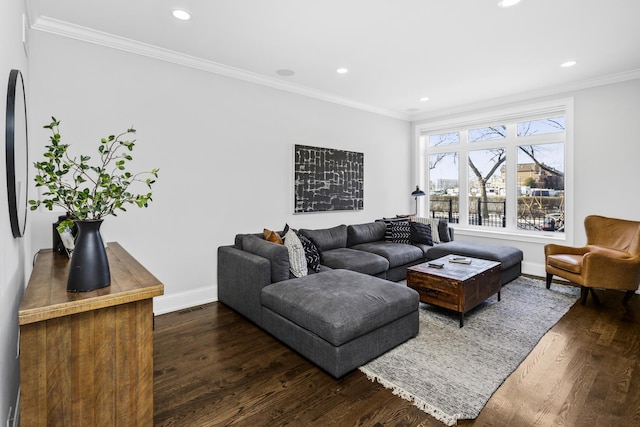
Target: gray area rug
point(451, 372)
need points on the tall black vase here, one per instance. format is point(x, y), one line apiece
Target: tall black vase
point(89, 269)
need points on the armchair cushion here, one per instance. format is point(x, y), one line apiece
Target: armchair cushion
point(572, 263)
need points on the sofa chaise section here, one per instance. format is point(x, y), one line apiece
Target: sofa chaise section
point(340, 319)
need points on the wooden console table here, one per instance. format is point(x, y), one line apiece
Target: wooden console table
point(86, 359)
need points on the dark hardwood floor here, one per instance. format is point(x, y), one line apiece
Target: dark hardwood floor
point(215, 368)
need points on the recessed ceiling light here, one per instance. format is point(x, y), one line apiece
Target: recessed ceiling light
point(508, 3)
point(285, 72)
point(182, 15)
point(568, 64)
point(342, 70)
point(424, 99)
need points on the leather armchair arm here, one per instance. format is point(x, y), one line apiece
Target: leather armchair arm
point(603, 271)
point(552, 249)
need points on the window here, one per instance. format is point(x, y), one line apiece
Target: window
point(504, 171)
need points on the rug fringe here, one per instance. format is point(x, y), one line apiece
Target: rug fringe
point(436, 413)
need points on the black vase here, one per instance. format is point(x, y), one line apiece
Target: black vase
point(89, 269)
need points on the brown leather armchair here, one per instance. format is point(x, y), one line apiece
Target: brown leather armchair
point(610, 260)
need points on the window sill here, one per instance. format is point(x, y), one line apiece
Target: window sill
point(510, 235)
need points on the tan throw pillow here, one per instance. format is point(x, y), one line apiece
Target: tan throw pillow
point(272, 236)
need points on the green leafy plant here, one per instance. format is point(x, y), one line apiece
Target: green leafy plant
point(89, 191)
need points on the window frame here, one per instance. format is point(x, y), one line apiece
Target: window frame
point(510, 118)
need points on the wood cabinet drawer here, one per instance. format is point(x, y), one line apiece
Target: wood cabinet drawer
point(438, 297)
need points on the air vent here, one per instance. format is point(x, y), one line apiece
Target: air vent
point(189, 310)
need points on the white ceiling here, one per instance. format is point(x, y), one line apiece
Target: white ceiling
point(459, 53)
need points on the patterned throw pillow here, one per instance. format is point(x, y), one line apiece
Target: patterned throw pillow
point(400, 232)
point(310, 252)
point(297, 260)
point(388, 235)
point(421, 233)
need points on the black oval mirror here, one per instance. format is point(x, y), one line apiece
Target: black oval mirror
point(17, 153)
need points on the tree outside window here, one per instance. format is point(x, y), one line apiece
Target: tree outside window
point(533, 150)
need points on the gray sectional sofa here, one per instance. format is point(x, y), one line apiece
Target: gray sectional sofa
point(348, 312)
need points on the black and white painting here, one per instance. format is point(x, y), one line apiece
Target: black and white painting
point(327, 179)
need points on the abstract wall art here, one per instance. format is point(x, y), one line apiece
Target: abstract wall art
point(326, 179)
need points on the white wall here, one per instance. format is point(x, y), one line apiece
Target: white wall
point(224, 148)
point(606, 155)
point(15, 254)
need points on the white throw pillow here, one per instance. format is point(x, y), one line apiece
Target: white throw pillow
point(297, 259)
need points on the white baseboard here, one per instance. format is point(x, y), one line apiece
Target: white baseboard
point(533, 269)
point(177, 301)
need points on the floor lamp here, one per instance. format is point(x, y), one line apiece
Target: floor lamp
point(416, 194)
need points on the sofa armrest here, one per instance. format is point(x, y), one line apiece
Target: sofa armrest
point(241, 277)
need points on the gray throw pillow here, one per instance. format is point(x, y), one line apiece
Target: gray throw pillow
point(443, 231)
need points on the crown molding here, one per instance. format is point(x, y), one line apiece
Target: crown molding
point(89, 35)
point(533, 94)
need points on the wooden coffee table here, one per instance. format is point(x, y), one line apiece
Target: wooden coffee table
point(457, 287)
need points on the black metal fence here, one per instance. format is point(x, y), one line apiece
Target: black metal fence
point(546, 216)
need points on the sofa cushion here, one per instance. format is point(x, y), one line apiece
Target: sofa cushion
point(277, 254)
point(352, 259)
point(327, 238)
point(340, 305)
point(396, 253)
point(365, 233)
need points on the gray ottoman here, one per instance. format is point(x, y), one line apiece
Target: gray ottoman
point(340, 319)
point(509, 257)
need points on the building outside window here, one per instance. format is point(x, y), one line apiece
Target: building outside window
point(504, 171)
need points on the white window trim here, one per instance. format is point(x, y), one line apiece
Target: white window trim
point(499, 116)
